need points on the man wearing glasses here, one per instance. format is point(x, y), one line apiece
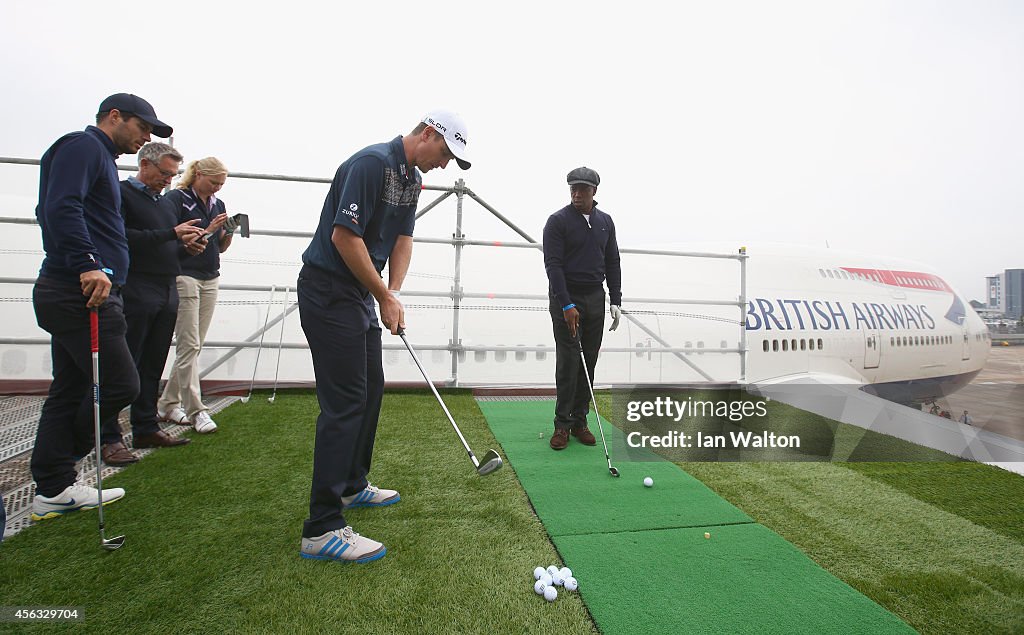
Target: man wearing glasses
point(85, 266)
point(367, 220)
point(150, 294)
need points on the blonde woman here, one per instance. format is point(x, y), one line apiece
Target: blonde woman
point(196, 198)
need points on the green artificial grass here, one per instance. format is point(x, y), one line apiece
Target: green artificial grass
point(640, 554)
point(920, 547)
point(213, 537)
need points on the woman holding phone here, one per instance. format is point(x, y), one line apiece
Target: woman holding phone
point(196, 198)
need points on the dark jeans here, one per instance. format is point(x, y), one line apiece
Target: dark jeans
point(150, 310)
point(340, 324)
point(66, 423)
point(572, 395)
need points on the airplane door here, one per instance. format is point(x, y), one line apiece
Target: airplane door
point(872, 349)
point(967, 344)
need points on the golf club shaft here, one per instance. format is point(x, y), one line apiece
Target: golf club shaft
point(280, 339)
point(263, 332)
point(593, 399)
point(437, 396)
point(94, 347)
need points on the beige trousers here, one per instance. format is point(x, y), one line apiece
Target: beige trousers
point(196, 302)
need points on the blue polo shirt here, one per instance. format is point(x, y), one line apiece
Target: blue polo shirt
point(373, 195)
point(190, 206)
point(79, 208)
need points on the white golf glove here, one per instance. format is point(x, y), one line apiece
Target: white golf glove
point(616, 312)
point(230, 225)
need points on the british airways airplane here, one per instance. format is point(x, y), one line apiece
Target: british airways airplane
point(893, 326)
point(857, 338)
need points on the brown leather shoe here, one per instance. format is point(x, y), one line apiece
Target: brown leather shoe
point(158, 439)
point(118, 454)
point(559, 439)
point(584, 435)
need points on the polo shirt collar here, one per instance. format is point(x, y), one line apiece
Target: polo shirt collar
point(398, 149)
point(107, 142)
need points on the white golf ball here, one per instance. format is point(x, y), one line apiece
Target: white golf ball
point(546, 579)
point(538, 572)
point(565, 572)
point(571, 584)
point(552, 570)
point(550, 593)
point(648, 482)
point(556, 578)
point(539, 586)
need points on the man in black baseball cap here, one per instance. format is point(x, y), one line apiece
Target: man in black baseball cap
point(85, 266)
point(129, 105)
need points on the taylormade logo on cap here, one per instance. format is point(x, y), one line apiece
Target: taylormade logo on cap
point(453, 129)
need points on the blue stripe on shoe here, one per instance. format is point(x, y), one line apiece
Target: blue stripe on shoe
point(326, 549)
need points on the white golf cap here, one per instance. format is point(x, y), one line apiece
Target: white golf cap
point(453, 129)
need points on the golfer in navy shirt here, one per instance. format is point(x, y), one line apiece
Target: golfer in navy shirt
point(367, 220)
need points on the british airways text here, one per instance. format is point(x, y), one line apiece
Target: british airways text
point(784, 315)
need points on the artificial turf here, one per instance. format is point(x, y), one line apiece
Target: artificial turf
point(640, 553)
point(213, 537)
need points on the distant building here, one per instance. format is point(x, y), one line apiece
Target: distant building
point(1013, 292)
point(994, 293)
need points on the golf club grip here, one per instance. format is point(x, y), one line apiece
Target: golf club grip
point(94, 330)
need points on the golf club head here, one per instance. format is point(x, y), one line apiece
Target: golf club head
point(245, 400)
point(270, 399)
point(491, 463)
point(614, 471)
point(114, 543)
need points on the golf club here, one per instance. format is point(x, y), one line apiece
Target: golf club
point(94, 339)
point(583, 360)
point(492, 462)
point(263, 332)
point(280, 343)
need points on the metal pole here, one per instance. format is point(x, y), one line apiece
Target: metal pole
point(432, 205)
point(457, 239)
point(490, 209)
point(743, 315)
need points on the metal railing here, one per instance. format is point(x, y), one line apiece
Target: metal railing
point(457, 294)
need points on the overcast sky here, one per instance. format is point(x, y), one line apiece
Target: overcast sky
point(880, 127)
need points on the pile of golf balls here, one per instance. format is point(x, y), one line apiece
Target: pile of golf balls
point(545, 581)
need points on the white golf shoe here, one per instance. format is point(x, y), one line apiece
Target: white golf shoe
point(203, 423)
point(176, 415)
point(372, 496)
point(73, 498)
point(342, 545)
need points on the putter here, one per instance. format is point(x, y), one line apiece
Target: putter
point(583, 360)
point(258, 350)
point(492, 462)
point(280, 343)
point(94, 338)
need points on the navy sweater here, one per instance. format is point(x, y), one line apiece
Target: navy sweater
point(149, 223)
point(580, 258)
point(79, 208)
point(205, 265)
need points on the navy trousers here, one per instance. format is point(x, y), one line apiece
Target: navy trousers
point(340, 323)
point(572, 395)
point(66, 430)
point(150, 310)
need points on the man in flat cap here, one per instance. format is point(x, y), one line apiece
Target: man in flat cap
point(85, 266)
point(581, 254)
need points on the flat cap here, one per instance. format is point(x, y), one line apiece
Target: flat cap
point(583, 175)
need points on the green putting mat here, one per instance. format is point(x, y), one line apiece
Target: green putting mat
point(640, 555)
point(573, 492)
